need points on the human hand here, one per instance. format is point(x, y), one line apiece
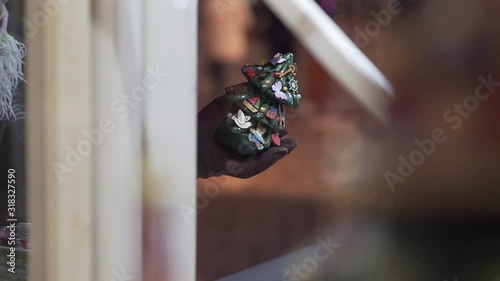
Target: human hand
point(216, 160)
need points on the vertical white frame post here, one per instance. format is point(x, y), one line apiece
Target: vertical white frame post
point(59, 108)
point(117, 71)
point(170, 129)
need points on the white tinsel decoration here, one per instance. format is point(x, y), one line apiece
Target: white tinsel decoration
point(12, 53)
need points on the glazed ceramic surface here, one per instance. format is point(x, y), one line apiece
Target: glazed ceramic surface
point(258, 113)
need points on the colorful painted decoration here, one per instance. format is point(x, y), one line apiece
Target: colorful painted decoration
point(259, 105)
point(291, 69)
point(256, 136)
point(293, 85)
point(251, 72)
point(253, 104)
point(281, 115)
point(272, 113)
point(242, 120)
point(277, 87)
point(277, 59)
point(276, 139)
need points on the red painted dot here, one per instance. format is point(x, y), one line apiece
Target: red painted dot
point(250, 72)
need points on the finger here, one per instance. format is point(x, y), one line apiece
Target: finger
point(212, 115)
point(257, 165)
point(283, 132)
point(266, 160)
point(290, 144)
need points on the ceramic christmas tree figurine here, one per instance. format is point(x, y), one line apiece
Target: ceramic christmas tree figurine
point(258, 113)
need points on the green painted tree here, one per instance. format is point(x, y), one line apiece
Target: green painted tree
point(259, 112)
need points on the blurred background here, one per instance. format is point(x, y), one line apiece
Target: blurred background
point(440, 222)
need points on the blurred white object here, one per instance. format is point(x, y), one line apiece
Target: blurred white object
point(170, 137)
point(336, 53)
point(117, 159)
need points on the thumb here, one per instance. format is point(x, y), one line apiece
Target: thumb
point(290, 144)
point(212, 115)
point(263, 162)
point(271, 156)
